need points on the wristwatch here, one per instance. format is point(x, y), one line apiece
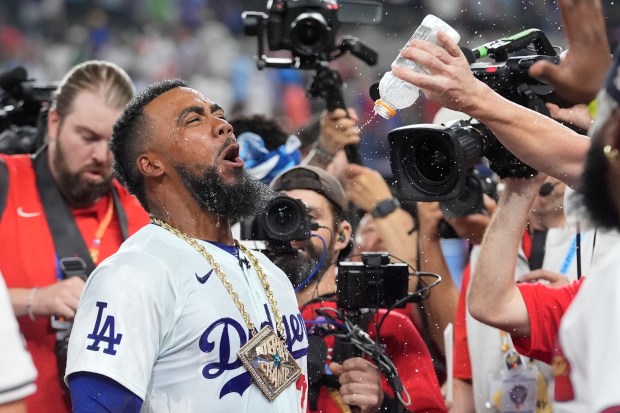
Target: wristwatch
point(385, 207)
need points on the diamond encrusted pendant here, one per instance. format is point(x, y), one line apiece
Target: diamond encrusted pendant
point(269, 363)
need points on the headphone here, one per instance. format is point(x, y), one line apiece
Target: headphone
point(342, 236)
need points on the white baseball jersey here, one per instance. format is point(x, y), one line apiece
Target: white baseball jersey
point(156, 318)
point(17, 374)
point(590, 338)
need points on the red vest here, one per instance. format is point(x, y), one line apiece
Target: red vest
point(28, 259)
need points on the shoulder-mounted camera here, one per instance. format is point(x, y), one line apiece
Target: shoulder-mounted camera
point(433, 162)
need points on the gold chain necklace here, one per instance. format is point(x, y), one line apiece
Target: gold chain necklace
point(265, 356)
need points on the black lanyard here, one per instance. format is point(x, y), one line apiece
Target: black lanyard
point(68, 240)
point(537, 255)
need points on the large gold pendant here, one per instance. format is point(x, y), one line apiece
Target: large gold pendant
point(269, 363)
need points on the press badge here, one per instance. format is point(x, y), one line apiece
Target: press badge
point(519, 392)
point(513, 390)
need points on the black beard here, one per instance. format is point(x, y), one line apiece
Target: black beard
point(246, 197)
point(298, 265)
point(595, 189)
point(77, 192)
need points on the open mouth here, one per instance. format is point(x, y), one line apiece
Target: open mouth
point(94, 173)
point(231, 156)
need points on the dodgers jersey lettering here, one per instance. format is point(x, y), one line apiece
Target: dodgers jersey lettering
point(154, 318)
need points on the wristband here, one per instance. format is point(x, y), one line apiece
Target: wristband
point(29, 303)
point(385, 207)
point(321, 154)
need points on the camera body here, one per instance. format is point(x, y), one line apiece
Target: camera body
point(308, 28)
point(431, 162)
point(285, 219)
point(372, 283)
point(471, 199)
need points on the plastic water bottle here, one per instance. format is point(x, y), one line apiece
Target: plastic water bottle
point(398, 94)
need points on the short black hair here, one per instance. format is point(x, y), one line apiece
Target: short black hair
point(131, 134)
point(267, 128)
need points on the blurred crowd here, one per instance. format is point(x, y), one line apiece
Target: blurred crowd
point(154, 40)
point(164, 137)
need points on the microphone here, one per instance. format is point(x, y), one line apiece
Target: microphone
point(12, 78)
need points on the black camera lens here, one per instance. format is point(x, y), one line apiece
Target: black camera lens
point(309, 33)
point(431, 160)
point(283, 218)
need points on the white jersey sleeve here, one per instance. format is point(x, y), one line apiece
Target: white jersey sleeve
point(590, 339)
point(118, 328)
point(17, 375)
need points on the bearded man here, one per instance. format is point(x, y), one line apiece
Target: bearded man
point(61, 213)
point(312, 271)
point(183, 318)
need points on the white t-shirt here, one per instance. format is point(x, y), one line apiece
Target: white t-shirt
point(485, 343)
point(156, 319)
point(17, 372)
point(590, 338)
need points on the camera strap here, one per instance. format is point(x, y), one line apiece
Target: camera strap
point(537, 255)
point(68, 240)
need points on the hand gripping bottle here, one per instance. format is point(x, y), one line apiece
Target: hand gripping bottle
point(398, 94)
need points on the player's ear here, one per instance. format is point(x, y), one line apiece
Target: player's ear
point(150, 165)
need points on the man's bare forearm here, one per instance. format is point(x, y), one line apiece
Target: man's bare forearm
point(538, 140)
point(442, 302)
point(494, 298)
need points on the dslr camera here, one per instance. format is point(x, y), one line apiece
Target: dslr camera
point(372, 283)
point(285, 219)
point(308, 28)
point(433, 162)
point(22, 120)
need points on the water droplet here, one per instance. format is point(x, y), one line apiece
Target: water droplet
point(368, 122)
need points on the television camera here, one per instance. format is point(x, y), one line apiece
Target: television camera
point(433, 162)
point(21, 104)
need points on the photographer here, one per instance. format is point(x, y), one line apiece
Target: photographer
point(360, 383)
point(547, 252)
point(59, 204)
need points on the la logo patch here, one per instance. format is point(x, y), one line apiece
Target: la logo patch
point(104, 332)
